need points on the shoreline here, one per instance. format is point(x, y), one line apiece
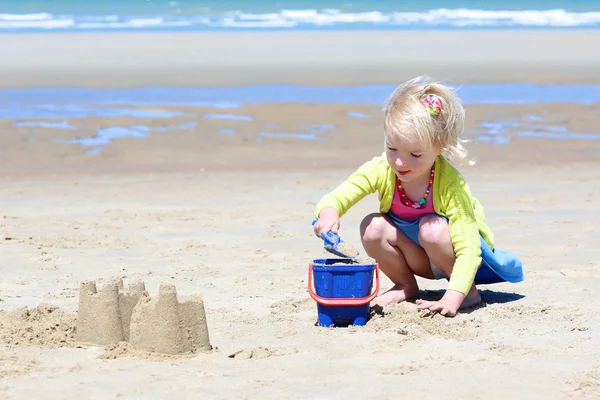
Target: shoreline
point(268, 137)
point(126, 60)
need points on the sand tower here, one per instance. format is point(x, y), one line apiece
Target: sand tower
point(104, 316)
point(168, 325)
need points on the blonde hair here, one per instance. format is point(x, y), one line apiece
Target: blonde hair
point(406, 115)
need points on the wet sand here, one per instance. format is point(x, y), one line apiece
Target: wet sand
point(295, 137)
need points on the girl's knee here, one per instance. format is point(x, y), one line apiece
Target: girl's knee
point(373, 227)
point(433, 230)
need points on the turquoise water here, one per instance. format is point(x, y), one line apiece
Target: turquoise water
point(186, 15)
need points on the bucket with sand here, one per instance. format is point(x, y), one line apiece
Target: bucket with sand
point(342, 290)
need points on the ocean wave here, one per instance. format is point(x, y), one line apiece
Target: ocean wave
point(133, 23)
point(25, 17)
point(466, 17)
point(307, 19)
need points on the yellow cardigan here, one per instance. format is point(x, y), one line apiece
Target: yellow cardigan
point(451, 199)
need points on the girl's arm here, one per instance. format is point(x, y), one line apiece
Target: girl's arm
point(464, 234)
point(465, 237)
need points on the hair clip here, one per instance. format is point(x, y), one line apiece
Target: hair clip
point(433, 104)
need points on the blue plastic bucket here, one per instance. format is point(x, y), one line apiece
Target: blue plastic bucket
point(342, 290)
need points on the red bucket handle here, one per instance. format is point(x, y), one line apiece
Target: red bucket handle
point(342, 301)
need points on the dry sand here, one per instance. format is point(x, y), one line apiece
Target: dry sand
point(190, 59)
point(243, 241)
point(228, 217)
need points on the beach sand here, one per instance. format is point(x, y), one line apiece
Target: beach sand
point(227, 217)
point(324, 58)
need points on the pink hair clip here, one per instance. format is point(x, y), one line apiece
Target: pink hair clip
point(433, 104)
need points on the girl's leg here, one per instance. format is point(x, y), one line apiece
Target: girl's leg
point(434, 236)
point(398, 257)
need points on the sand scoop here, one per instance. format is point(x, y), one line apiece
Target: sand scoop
point(334, 244)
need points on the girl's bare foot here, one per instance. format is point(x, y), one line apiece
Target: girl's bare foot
point(397, 294)
point(471, 299)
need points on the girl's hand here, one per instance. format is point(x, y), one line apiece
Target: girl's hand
point(448, 305)
point(329, 220)
point(444, 307)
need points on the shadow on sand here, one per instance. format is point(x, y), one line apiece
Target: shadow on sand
point(487, 296)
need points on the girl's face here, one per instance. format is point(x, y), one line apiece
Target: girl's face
point(408, 158)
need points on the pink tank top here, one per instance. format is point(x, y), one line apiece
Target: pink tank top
point(407, 213)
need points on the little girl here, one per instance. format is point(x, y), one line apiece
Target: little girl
point(429, 224)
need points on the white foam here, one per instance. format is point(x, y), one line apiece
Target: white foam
point(25, 17)
point(134, 23)
point(287, 18)
point(465, 17)
point(39, 24)
point(461, 17)
point(231, 22)
point(102, 18)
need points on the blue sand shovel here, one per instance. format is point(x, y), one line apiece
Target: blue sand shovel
point(331, 243)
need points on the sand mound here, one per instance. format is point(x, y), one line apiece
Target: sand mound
point(45, 325)
point(347, 249)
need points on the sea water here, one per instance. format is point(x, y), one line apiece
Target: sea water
point(216, 15)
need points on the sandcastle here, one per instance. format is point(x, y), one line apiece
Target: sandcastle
point(163, 325)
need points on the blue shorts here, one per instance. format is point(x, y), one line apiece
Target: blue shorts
point(497, 265)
